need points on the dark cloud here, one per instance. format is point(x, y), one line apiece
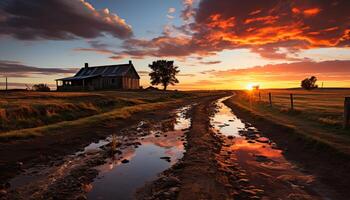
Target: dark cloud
point(18, 69)
point(210, 62)
point(96, 50)
point(58, 20)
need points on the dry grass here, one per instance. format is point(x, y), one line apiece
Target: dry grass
point(115, 114)
point(29, 114)
point(323, 106)
point(306, 121)
point(19, 110)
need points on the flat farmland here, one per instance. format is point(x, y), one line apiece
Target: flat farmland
point(324, 106)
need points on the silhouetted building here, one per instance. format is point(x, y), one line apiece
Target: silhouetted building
point(123, 76)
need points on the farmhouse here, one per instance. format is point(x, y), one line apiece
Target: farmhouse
point(122, 76)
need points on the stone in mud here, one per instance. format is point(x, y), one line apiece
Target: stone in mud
point(251, 141)
point(258, 191)
point(243, 181)
point(125, 161)
point(263, 140)
point(3, 193)
point(230, 137)
point(174, 190)
point(231, 120)
point(166, 158)
point(118, 152)
point(261, 158)
point(170, 181)
point(274, 145)
point(249, 192)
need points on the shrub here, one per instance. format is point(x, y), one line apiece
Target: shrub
point(309, 83)
point(41, 87)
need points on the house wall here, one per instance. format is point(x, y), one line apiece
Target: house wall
point(130, 83)
point(103, 83)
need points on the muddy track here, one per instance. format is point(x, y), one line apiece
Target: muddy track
point(233, 166)
point(201, 177)
point(328, 166)
point(19, 155)
point(212, 166)
point(203, 172)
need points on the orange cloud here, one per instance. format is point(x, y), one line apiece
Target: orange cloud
point(327, 70)
point(311, 12)
point(265, 27)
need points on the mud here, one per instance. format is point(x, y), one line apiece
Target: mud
point(200, 151)
point(328, 167)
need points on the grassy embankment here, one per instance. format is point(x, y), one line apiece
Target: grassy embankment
point(27, 114)
point(317, 114)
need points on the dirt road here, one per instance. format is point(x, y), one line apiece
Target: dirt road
point(197, 150)
point(228, 159)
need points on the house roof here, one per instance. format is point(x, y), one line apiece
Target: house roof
point(104, 71)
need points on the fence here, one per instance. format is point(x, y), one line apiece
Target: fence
point(299, 101)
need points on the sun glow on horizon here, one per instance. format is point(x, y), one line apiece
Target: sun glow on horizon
point(252, 86)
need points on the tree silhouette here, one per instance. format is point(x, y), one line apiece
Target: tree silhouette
point(163, 72)
point(309, 83)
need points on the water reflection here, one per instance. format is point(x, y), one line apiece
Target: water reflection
point(258, 158)
point(118, 180)
point(226, 122)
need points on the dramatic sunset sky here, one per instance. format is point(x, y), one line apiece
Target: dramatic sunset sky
point(218, 44)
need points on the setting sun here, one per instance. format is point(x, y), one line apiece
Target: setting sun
point(251, 86)
point(180, 99)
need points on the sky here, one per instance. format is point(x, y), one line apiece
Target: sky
point(226, 44)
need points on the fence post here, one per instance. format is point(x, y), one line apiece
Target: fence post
point(347, 112)
point(270, 99)
point(291, 102)
point(259, 96)
point(6, 83)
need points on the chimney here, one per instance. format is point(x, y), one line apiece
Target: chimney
point(130, 62)
point(86, 65)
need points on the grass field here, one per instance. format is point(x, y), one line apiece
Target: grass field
point(323, 106)
point(318, 114)
point(21, 110)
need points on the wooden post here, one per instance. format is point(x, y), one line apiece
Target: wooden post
point(270, 99)
point(291, 102)
point(259, 96)
point(6, 83)
point(347, 112)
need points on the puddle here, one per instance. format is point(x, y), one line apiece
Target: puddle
point(117, 179)
point(148, 148)
point(258, 158)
